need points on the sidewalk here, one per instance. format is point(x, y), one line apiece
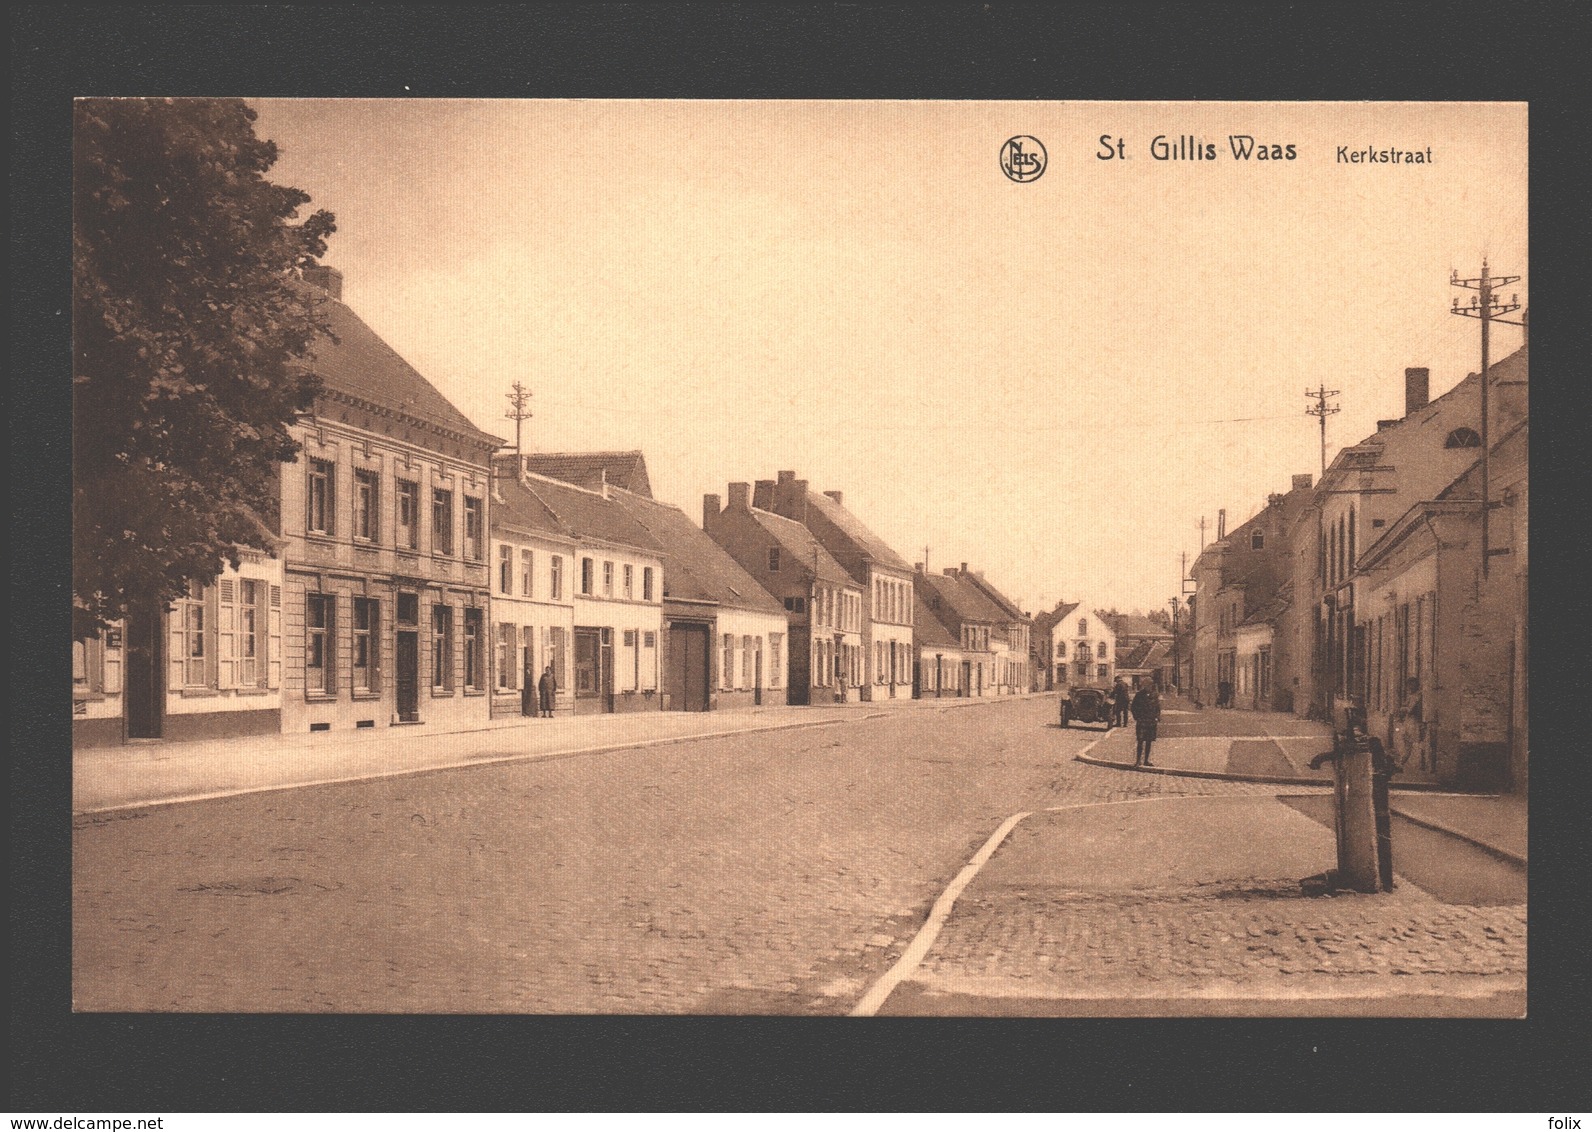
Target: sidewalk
point(1192, 906)
point(1271, 747)
point(111, 778)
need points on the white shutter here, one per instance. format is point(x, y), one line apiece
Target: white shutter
point(273, 636)
point(227, 632)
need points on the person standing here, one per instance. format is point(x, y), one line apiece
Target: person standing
point(547, 688)
point(1146, 714)
point(1121, 699)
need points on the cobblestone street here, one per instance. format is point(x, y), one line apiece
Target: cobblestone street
point(780, 872)
point(777, 872)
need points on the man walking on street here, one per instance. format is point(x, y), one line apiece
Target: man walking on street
point(1146, 714)
point(547, 687)
point(1121, 698)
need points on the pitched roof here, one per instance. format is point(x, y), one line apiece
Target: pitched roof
point(1044, 622)
point(588, 515)
point(1002, 602)
point(626, 470)
point(695, 568)
point(798, 541)
point(927, 628)
point(1135, 625)
point(870, 544)
point(518, 507)
point(961, 598)
point(356, 361)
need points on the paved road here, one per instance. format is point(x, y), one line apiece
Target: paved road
point(771, 873)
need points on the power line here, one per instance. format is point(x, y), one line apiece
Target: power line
point(1485, 307)
point(1322, 410)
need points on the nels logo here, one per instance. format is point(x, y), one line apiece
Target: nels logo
point(1023, 158)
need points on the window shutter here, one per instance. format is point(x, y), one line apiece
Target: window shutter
point(273, 636)
point(227, 632)
point(175, 650)
point(212, 637)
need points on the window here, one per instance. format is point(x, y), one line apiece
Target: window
point(319, 630)
point(774, 640)
point(408, 518)
point(1101, 672)
point(507, 648)
point(586, 575)
point(441, 648)
point(505, 568)
point(878, 662)
point(630, 581)
point(1082, 652)
point(248, 670)
point(560, 656)
point(630, 673)
point(773, 559)
point(473, 544)
point(320, 505)
point(646, 583)
point(727, 663)
point(608, 579)
point(366, 502)
point(1463, 438)
point(796, 604)
point(1083, 627)
point(1257, 540)
point(193, 638)
point(1061, 650)
point(556, 579)
point(1100, 650)
point(527, 573)
point(474, 651)
point(441, 521)
point(367, 637)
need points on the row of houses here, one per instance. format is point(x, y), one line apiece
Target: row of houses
point(423, 574)
point(1388, 582)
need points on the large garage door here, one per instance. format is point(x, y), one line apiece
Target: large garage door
point(688, 667)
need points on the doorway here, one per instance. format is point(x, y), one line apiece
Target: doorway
point(529, 704)
point(688, 667)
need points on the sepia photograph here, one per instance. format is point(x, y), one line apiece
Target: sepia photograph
point(791, 558)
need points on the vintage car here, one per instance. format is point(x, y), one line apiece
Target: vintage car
point(1086, 705)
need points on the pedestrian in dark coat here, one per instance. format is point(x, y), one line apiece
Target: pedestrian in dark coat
point(1121, 698)
point(1146, 714)
point(547, 687)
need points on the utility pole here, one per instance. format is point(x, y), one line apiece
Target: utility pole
point(1202, 534)
point(925, 559)
point(1485, 307)
point(519, 402)
point(1177, 664)
point(1322, 410)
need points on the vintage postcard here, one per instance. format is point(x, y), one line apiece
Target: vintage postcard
point(704, 557)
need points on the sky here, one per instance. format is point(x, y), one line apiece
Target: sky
point(1051, 380)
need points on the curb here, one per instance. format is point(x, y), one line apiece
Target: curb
point(1264, 779)
point(535, 756)
point(1438, 827)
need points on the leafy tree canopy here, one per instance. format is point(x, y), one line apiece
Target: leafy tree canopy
point(188, 318)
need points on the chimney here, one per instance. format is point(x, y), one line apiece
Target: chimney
point(1417, 389)
point(739, 493)
point(763, 496)
point(1221, 524)
point(328, 279)
point(1302, 483)
point(917, 567)
point(787, 477)
point(1273, 499)
point(710, 510)
point(950, 571)
point(1381, 425)
point(838, 496)
point(604, 472)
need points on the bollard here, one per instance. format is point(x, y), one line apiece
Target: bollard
point(1357, 853)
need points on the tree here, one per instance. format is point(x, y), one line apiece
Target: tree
point(190, 324)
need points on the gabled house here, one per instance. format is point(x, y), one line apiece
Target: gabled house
point(940, 654)
point(1084, 648)
point(972, 621)
point(823, 604)
point(1011, 638)
point(883, 576)
point(1143, 650)
point(725, 641)
point(1048, 661)
point(616, 576)
point(533, 600)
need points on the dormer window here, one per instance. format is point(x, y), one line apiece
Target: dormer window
point(1463, 438)
point(1257, 540)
